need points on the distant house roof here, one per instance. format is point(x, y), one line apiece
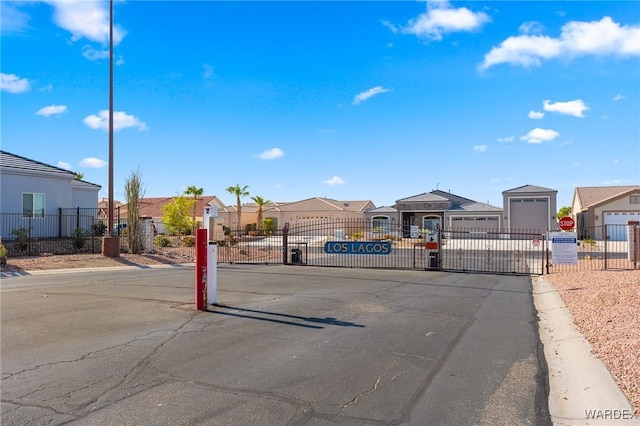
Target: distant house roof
point(382, 209)
point(476, 207)
point(304, 205)
point(425, 197)
point(17, 162)
point(592, 195)
point(529, 188)
point(153, 206)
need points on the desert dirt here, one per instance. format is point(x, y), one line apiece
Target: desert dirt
point(605, 305)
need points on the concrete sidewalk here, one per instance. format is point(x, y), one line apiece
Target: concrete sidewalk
point(582, 391)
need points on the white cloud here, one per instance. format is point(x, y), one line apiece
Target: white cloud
point(93, 163)
point(603, 37)
point(271, 154)
point(85, 19)
point(47, 88)
point(539, 135)
point(575, 108)
point(94, 55)
point(367, 94)
point(121, 120)
point(480, 148)
point(440, 18)
point(507, 139)
point(52, 110)
point(64, 165)
point(618, 97)
point(531, 27)
point(13, 84)
point(336, 180)
point(536, 115)
point(11, 19)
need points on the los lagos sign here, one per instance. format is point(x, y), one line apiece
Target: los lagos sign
point(357, 247)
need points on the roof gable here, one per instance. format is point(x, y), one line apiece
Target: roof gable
point(425, 197)
point(529, 188)
point(477, 207)
point(589, 196)
point(13, 161)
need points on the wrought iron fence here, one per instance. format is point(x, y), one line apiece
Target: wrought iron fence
point(28, 235)
point(603, 247)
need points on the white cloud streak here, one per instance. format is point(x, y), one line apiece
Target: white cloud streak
point(12, 20)
point(536, 115)
point(575, 108)
point(538, 135)
point(93, 54)
point(93, 163)
point(52, 110)
point(480, 148)
point(13, 84)
point(507, 139)
point(271, 154)
point(64, 165)
point(368, 94)
point(85, 19)
point(121, 120)
point(440, 18)
point(604, 37)
point(335, 180)
point(618, 97)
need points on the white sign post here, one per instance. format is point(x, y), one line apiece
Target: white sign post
point(212, 256)
point(564, 248)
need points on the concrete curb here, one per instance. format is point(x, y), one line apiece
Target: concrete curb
point(582, 390)
point(94, 269)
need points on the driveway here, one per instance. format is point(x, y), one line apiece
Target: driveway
point(286, 345)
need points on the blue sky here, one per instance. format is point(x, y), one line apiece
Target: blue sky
point(348, 100)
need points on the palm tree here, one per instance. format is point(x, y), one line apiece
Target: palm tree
point(239, 193)
point(196, 192)
point(261, 202)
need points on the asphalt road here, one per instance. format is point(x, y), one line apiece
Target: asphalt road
point(286, 346)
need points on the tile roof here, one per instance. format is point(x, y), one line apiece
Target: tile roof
point(529, 188)
point(425, 197)
point(590, 195)
point(382, 209)
point(153, 206)
point(477, 207)
point(17, 162)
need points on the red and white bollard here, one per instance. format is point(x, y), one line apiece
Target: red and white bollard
point(202, 240)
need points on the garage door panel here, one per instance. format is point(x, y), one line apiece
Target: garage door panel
point(616, 224)
point(529, 213)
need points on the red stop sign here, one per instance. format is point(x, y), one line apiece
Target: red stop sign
point(566, 223)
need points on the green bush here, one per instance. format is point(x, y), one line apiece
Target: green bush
point(99, 229)
point(22, 238)
point(268, 226)
point(3, 255)
point(78, 239)
point(162, 241)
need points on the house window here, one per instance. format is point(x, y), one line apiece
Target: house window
point(380, 224)
point(32, 205)
point(634, 199)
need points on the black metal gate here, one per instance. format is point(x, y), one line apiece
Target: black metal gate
point(356, 243)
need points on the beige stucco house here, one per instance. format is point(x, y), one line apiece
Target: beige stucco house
point(297, 212)
point(596, 207)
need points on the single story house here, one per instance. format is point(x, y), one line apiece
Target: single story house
point(600, 209)
point(36, 196)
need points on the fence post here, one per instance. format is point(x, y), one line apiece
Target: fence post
point(606, 238)
point(77, 217)
point(285, 244)
point(59, 222)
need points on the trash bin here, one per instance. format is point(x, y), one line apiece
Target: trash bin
point(296, 255)
point(433, 260)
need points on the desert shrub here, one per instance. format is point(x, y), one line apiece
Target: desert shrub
point(268, 226)
point(78, 239)
point(162, 241)
point(250, 227)
point(22, 238)
point(189, 241)
point(3, 255)
point(99, 229)
point(355, 236)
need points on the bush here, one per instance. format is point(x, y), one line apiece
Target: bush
point(78, 239)
point(99, 229)
point(22, 238)
point(268, 226)
point(162, 241)
point(3, 255)
point(189, 241)
point(355, 236)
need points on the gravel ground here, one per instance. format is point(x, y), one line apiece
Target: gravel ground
point(605, 306)
point(606, 309)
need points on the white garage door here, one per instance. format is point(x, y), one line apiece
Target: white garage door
point(529, 213)
point(616, 224)
point(470, 223)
